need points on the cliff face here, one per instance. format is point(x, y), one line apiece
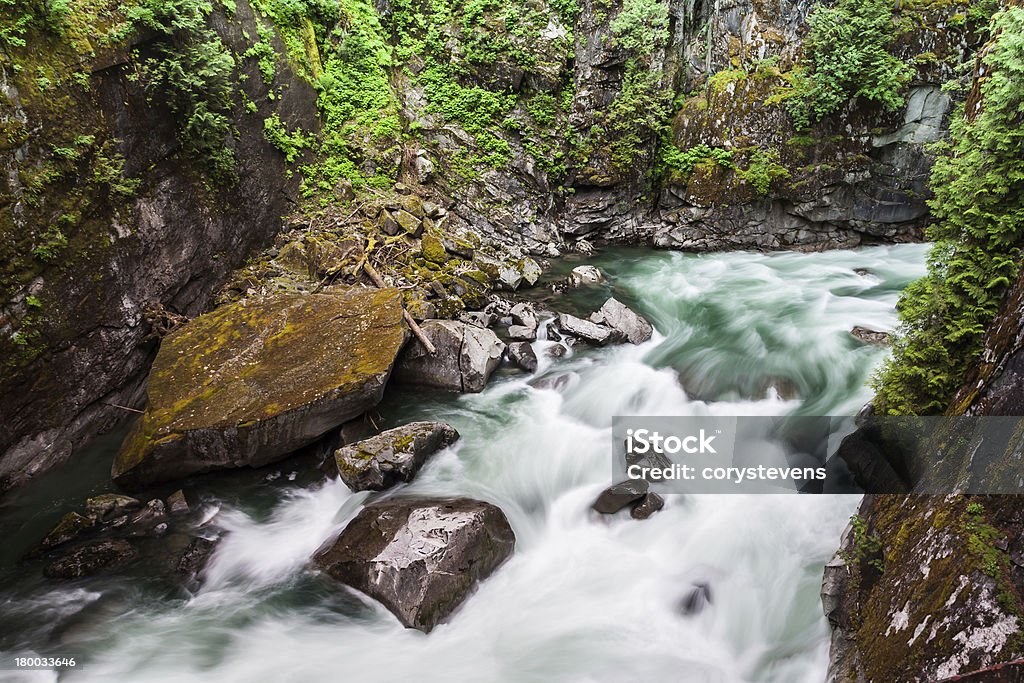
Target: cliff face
point(136, 182)
point(929, 587)
point(108, 228)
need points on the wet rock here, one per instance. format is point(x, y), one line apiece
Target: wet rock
point(522, 333)
point(177, 504)
point(584, 247)
point(71, 526)
point(585, 275)
point(869, 336)
point(523, 314)
point(618, 496)
point(466, 356)
point(587, 331)
point(249, 383)
point(419, 557)
point(107, 506)
point(557, 382)
point(616, 315)
point(523, 355)
point(696, 599)
point(150, 520)
point(89, 559)
point(393, 456)
point(478, 318)
point(194, 558)
point(556, 351)
point(647, 506)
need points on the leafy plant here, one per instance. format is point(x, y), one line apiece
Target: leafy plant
point(847, 47)
point(190, 72)
point(978, 183)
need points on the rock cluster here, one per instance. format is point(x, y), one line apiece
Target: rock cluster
point(105, 537)
point(634, 494)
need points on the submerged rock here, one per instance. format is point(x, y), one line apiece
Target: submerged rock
point(107, 506)
point(869, 336)
point(523, 355)
point(393, 456)
point(618, 496)
point(89, 559)
point(419, 557)
point(193, 560)
point(466, 356)
point(696, 599)
point(588, 331)
point(250, 383)
point(177, 503)
point(71, 526)
point(616, 315)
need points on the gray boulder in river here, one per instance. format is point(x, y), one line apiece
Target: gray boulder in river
point(419, 557)
point(588, 331)
point(618, 316)
point(393, 456)
point(466, 356)
point(249, 383)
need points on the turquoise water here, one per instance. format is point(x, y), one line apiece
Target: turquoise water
point(584, 598)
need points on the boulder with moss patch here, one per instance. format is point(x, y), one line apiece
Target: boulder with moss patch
point(393, 456)
point(249, 383)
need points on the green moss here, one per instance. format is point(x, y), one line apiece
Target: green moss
point(197, 381)
point(433, 250)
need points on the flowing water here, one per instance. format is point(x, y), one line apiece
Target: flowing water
point(584, 598)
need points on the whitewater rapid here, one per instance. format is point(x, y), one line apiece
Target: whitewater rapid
point(585, 598)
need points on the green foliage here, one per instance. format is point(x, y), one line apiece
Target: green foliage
point(50, 244)
point(978, 182)
point(847, 46)
point(763, 169)
point(983, 540)
point(291, 144)
point(640, 25)
point(681, 162)
point(190, 72)
point(264, 53)
point(865, 546)
point(22, 16)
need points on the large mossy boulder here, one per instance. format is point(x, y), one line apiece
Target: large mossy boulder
point(251, 382)
point(393, 456)
point(419, 557)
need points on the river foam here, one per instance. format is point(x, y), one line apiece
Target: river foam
point(585, 598)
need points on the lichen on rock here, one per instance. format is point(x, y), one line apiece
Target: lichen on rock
point(251, 382)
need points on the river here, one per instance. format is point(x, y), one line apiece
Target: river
point(583, 599)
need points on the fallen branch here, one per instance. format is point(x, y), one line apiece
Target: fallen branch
point(114, 405)
point(416, 329)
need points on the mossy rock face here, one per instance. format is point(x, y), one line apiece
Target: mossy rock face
point(926, 588)
point(249, 383)
point(393, 456)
